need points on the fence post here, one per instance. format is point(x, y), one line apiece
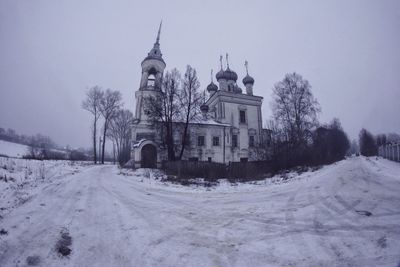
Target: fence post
point(387, 152)
point(398, 152)
point(391, 152)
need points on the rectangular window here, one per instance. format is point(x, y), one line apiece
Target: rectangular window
point(200, 140)
point(244, 159)
point(251, 140)
point(215, 140)
point(242, 115)
point(234, 140)
point(194, 159)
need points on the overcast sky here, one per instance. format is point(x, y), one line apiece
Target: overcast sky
point(52, 51)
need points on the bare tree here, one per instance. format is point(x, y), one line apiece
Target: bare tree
point(109, 105)
point(92, 102)
point(294, 107)
point(120, 133)
point(190, 101)
point(295, 113)
point(163, 109)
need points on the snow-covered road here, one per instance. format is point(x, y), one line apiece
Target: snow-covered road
point(346, 214)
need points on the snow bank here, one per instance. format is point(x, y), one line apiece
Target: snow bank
point(19, 178)
point(157, 179)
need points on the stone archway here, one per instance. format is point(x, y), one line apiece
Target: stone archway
point(148, 156)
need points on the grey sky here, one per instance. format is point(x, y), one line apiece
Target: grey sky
point(51, 51)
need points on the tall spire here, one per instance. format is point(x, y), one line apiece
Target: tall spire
point(158, 34)
point(211, 75)
point(220, 61)
point(246, 64)
point(227, 61)
point(155, 52)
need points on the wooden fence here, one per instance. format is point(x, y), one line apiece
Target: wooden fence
point(211, 171)
point(390, 151)
point(251, 170)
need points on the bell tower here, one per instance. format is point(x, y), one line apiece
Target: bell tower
point(152, 72)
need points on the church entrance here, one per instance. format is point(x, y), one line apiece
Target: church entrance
point(149, 156)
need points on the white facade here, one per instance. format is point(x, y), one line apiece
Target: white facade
point(230, 131)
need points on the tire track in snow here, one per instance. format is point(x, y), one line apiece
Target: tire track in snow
point(47, 222)
point(341, 212)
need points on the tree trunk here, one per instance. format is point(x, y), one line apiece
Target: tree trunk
point(170, 142)
point(104, 142)
point(94, 140)
point(184, 140)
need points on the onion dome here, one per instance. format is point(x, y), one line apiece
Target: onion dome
point(230, 75)
point(204, 108)
point(212, 87)
point(220, 75)
point(248, 80)
point(237, 90)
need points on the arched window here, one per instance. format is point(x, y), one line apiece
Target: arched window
point(151, 80)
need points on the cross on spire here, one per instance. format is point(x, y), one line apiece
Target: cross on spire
point(220, 61)
point(247, 66)
point(211, 75)
point(227, 61)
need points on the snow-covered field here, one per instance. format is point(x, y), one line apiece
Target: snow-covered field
point(12, 149)
point(345, 214)
point(21, 179)
point(15, 150)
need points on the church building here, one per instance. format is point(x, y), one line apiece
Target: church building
point(229, 130)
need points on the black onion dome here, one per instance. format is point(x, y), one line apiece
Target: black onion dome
point(212, 87)
point(220, 75)
point(230, 75)
point(204, 108)
point(237, 89)
point(248, 79)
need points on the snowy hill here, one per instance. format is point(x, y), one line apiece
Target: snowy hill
point(15, 150)
point(12, 149)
